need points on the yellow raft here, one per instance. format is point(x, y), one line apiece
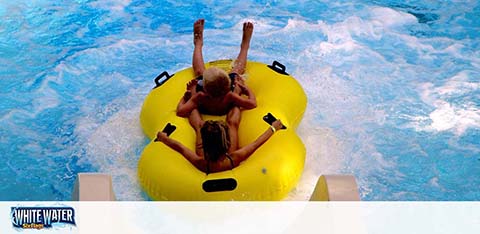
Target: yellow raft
point(268, 174)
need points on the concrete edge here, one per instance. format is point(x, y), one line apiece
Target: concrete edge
point(93, 187)
point(336, 188)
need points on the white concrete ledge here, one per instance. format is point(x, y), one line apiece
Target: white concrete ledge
point(336, 188)
point(93, 187)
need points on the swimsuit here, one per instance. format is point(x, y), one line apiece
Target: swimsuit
point(231, 163)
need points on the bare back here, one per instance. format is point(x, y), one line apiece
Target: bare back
point(215, 106)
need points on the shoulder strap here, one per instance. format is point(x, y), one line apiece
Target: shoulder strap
point(231, 160)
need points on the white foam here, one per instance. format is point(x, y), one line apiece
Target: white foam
point(458, 84)
point(448, 116)
point(323, 157)
point(329, 68)
point(111, 5)
point(112, 149)
point(389, 17)
point(113, 146)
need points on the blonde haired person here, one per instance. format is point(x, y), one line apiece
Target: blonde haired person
point(216, 92)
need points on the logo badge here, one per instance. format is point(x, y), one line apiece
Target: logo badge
point(42, 217)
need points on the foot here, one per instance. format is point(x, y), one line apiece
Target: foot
point(198, 32)
point(247, 34)
point(191, 85)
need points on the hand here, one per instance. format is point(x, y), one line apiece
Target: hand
point(277, 124)
point(243, 88)
point(192, 84)
point(161, 136)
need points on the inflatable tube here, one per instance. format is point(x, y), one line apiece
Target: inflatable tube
point(268, 174)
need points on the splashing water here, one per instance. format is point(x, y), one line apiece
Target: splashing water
point(393, 88)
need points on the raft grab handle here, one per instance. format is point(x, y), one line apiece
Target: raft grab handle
point(278, 67)
point(168, 129)
point(269, 118)
point(159, 81)
point(219, 185)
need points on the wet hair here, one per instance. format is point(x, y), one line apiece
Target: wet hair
point(216, 82)
point(215, 139)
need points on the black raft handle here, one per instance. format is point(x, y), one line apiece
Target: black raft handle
point(278, 67)
point(269, 118)
point(168, 129)
point(159, 81)
point(219, 185)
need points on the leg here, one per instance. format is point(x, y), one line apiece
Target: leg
point(197, 59)
point(196, 121)
point(241, 61)
point(233, 121)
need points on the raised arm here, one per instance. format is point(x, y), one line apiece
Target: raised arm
point(191, 156)
point(243, 153)
point(189, 100)
point(185, 107)
point(247, 103)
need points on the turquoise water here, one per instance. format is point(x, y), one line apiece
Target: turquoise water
point(393, 88)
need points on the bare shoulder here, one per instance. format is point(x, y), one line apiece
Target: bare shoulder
point(231, 96)
point(198, 96)
point(238, 156)
point(199, 163)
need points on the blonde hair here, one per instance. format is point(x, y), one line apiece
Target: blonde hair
point(216, 82)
